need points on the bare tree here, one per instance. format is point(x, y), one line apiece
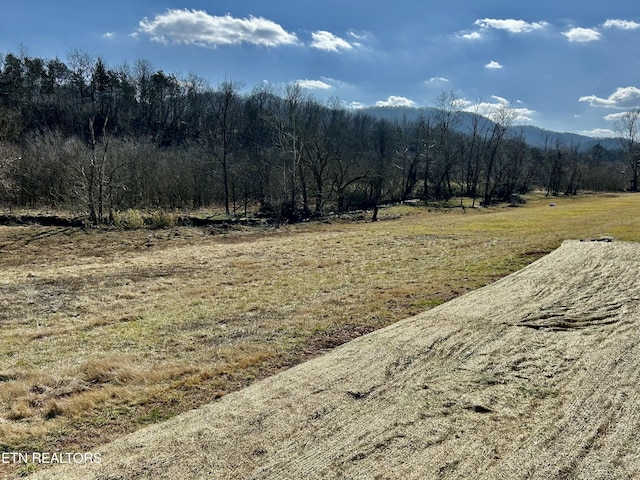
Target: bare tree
point(80, 69)
point(555, 155)
point(94, 172)
point(628, 129)
point(259, 149)
point(353, 167)
point(11, 125)
point(226, 109)
point(502, 119)
point(384, 146)
point(477, 143)
point(291, 142)
point(447, 119)
point(8, 156)
point(325, 130)
point(575, 171)
point(416, 138)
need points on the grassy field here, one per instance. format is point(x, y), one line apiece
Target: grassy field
point(105, 331)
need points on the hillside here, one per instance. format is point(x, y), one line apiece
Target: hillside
point(534, 376)
point(534, 136)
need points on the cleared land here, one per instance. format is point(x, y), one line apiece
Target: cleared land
point(106, 331)
point(533, 377)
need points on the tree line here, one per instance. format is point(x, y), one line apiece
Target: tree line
point(85, 136)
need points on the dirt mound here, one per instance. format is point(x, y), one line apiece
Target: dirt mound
point(43, 220)
point(535, 376)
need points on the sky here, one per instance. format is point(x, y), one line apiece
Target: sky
point(563, 65)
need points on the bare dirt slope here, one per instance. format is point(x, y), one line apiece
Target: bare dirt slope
point(535, 376)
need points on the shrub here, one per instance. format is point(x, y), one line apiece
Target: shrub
point(162, 219)
point(129, 220)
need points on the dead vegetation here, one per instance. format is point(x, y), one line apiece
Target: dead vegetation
point(107, 331)
point(460, 391)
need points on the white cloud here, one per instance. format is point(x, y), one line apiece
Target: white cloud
point(491, 109)
point(197, 27)
point(108, 35)
point(582, 35)
point(500, 100)
point(323, 40)
point(357, 105)
point(493, 65)
point(612, 117)
point(436, 81)
point(598, 133)
point(357, 36)
point(623, 97)
point(394, 101)
point(524, 115)
point(314, 84)
point(471, 36)
point(511, 25)
point(621, 24)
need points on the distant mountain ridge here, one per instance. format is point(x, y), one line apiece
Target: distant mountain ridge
point(534, 136)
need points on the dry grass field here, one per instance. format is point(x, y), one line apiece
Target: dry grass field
point(534, 377)
point(106, 331)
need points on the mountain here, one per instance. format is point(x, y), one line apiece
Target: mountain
point(534, 136)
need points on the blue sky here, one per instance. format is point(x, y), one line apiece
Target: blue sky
point(565, 65)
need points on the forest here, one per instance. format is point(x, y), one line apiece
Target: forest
point(89, 138)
